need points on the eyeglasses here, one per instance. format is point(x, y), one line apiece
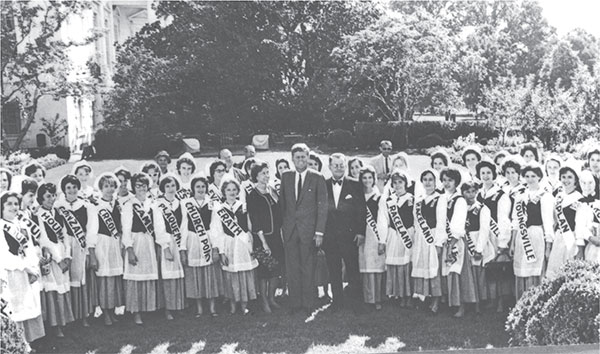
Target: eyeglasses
point(141, 185)
point(386, 149)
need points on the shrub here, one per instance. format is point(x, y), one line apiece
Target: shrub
point(15, 161)
point(12, 337)
point(340, 138)
point(117, 143)
point(430, 140)
point(62, 152)
point(562, 310)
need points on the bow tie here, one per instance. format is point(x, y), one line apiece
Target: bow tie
point(338, 182)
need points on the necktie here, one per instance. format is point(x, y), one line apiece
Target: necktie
point(299, 186)
point(387, 168)
point(338, 182)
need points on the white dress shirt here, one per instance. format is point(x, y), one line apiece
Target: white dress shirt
point(337, 190)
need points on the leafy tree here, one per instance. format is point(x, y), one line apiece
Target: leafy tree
point(399, 64)
point(55, 128)
point(35, 62)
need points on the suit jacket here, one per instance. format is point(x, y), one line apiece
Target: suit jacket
point(309, 213)
point(378, 162)
point(349, 218)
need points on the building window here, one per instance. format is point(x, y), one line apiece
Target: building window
point(11, 118)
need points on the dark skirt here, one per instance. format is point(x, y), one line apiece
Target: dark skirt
point(92, 289)
point(110, 292)
point(56, 308)
point(269, 266)
point(80, 302)
point(204, 282)
point(140, 295)
point(174, 292)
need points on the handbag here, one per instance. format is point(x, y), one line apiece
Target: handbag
point(265, 260)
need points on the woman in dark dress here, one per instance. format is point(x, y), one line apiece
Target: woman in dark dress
point(265, 217)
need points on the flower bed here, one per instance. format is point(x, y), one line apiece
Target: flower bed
point(15, 161)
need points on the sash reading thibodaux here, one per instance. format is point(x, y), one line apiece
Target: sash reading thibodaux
point(54, 225)
point(193, 211)
point(372, 223)
point(74, 225)
point(521, 210)
point(229, 222)
point(172, 220)
point(427, 234)
point(397, 220)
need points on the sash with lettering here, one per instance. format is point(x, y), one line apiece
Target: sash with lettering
point(33, 228)
point(563, 225)
point(193, 210)
point(213, 195)
point(249, 188)
point(183, 193)
point(397, 220)
point(452, 252)
point(145, 218)
point(229, 222)
point(18, 236)
point(172, 220)
point(468, 238)
point(372, 223)
point(596, 212)
point(54, 225)
point(74, 225)
point(108, 220)
point(521, 210)
point(423, 223)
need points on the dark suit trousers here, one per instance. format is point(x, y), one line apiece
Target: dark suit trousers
point(335, 253)
point(300, 261)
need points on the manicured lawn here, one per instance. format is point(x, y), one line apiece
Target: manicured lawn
point(389, 330)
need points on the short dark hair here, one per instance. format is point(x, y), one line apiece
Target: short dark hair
point(32, 168)
point(401, 175)
point(368, 169)
point(439, 155)
point(150, 165)
point(28, 185)
point(4, 199)
point(426, 172)
point(484, 164)
point(451, 173)
point(69, 179)
point(469, 185)
point(511, 163)
point(300, 147)
point(592, 152)
point(532, 148)
point(123, 172)
point(166, 179)
point(533, 167)
point(248, 164)
point(566, 169)
point(183, 160)
point(43, 189)
point(256, 169)
point(469, 151)
point(140, 177)
point(313, 156)
point(353, 160)
point(196, 180)
point(277, 162)
point(87, 167)
point(213, 168)
point(499, 154)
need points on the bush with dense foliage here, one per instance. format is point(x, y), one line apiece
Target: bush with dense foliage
point(15, 161)
point(562, 310)
point(116, 143)
point(12, 337)
point(413, 134)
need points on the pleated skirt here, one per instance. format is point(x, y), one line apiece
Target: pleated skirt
point(92, 288)
point(110, 292)
point(56, 308)
point(80, 302)
point(522, 284)
point(240, 286)
point(174, 293)
point(33, 328)
point(462, 287)
point(427, 287)
point(483, 292)
point(398, 280)
point(140, 295)
point(204, 282)
point(373, 287)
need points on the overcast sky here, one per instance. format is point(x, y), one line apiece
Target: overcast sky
point(567, 15)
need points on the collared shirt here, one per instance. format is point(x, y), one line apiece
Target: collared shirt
point(297, 175)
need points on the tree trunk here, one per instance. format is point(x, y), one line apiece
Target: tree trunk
point(30, 118)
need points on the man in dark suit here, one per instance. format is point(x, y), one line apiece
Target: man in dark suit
point(303, 203)
point(346, 224)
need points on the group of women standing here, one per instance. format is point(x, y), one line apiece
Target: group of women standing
point(142, 241)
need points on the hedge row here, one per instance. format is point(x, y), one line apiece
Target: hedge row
point(418, 134)
point(132, 143)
